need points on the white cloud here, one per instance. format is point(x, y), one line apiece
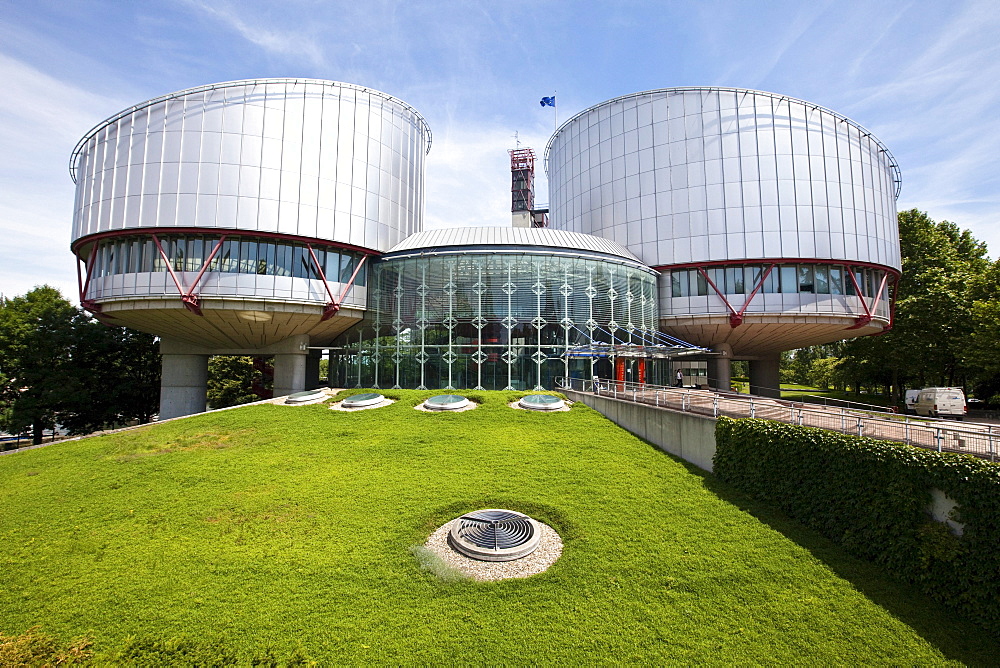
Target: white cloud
point(282, 42)
point(939, 117)
point(41, 119)
point(468, 176)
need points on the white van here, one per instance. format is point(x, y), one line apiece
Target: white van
point(909, 400)
point(941, 402)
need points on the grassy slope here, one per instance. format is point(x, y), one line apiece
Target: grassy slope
point(275, 526)
point(816, 395)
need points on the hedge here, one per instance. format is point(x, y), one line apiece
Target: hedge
point(872, 497)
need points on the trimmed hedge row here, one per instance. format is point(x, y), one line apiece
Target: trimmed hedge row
point(872, 497)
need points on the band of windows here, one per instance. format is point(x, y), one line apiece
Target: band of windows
point(236, 255)
point(821, 279)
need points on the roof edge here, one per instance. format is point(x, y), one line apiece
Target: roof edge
point(74, 156)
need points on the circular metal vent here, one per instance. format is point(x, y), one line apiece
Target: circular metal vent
point(495, 535)
point(300, 397)
point(362, 400)
point(446, 402)
point(541, 402)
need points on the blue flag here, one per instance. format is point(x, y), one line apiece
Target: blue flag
point(548, 101)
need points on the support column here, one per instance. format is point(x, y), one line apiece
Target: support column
point(183, 385)
point(720, 368)
point(764, 377)
point(289, 373)
point(312, 369)
point(290, 365)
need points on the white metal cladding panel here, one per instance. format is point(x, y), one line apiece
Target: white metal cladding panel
point(308, 158)
point(512, 236)
point(707, 174)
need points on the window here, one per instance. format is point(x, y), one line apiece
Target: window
point(734, 280)
point(822, 276)
point(679, 284)
point(773, 282)
point(806, 278)
point(248, 256)
point(789, 280)
point(836, 281)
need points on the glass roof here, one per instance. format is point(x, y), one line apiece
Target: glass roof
point(542, 402)
point(363, 399)
point(446, 402)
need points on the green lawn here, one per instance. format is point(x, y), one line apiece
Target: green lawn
point(274, 531)
point(816, 395)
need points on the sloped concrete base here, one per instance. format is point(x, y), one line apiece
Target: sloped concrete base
point(690, 437)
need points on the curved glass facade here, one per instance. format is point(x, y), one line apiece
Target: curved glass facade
point(236, 255)
point(775, 288)
point(301, 157)
point(243, 266)
point(492, 320)
point(708, 174)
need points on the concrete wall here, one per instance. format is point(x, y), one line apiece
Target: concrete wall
point(183, 385)
point(690, 437)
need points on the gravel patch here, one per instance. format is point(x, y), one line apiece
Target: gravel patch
point(549, 549)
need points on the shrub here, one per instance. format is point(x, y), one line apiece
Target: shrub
point(872, 497)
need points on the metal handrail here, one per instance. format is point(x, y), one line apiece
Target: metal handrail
point(981, 440)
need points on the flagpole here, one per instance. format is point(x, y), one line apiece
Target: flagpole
point(555, 110)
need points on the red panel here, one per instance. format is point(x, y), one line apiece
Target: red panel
point(620, 372)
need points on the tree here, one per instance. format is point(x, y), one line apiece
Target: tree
point(36, 344)
point(825, 373)
point(798, 366)
point(234, 380)
point(122, 368)
point(59, 366)
point(934, 320)
point(946, 327)
point(984, 341)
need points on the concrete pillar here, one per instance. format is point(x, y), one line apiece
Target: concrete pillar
point(720, 368)
point(183, 385)
point(312, 369)
point(764, 377)
point(289, 373)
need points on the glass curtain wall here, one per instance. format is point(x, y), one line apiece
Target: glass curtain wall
point(492, 320)
point(818, 279)
point(236, 255)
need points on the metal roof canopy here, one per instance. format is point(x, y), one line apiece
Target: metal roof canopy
point(653, 344)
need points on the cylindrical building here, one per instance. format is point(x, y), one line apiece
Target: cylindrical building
point(238, 218)
point(771, 220)
point(500, 308)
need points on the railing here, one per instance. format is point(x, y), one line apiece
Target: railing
point(981, 440)
point(820, 400)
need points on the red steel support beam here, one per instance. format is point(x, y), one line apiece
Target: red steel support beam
point(736, 319)
point(89, 304)
point(331, 309)
point(733, 315)
point(869, 312)
point(166, 260)
point(190, 299)
point(332, 304)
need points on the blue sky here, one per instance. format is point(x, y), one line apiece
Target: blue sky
point(923, 76)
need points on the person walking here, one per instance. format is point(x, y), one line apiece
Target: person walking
point(680, 379)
